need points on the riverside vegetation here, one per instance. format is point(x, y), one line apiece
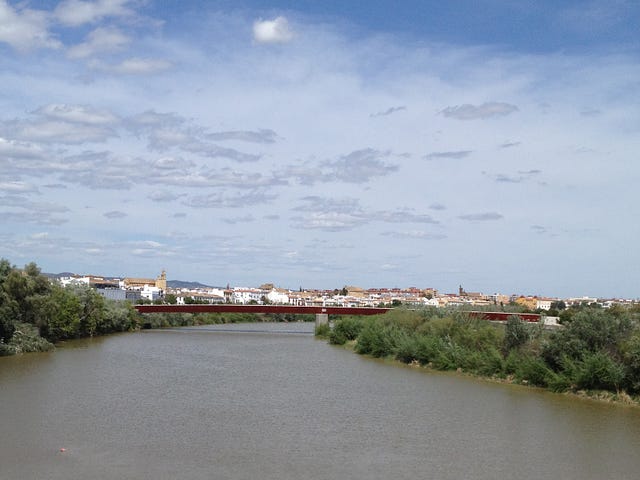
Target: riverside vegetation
point(36, 313)
point(595, 352)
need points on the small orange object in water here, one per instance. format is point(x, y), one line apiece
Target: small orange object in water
point(63, 450)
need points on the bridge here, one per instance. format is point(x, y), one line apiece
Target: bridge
point(321, 313)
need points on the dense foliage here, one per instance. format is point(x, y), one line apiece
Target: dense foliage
point(34, 312)
point(595, 349)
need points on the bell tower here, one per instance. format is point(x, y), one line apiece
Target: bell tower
point(161, 281)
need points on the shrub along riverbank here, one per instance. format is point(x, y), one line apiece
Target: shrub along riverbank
point(36, 313)
point(595, 349)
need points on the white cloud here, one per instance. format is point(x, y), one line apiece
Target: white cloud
point(25, 29)
point(79, 12)
point(100, 40)
point(40, 235)
point(474, 112)
point(113, 214)
point(259, 136)
point(481, 217)
point(230, 200)
point(57, 123)
point(415, 234)
point(15, 149)
point(453, 155)
point(77, 114)
point(330, 221)
point(163, 196)
point(17, 187)
point(51, 131)
point(272, 31)
point(388, 111)
point(151, 120)
point(133, 66)
point(360, 166)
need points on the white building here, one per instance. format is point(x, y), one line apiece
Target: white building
point(151, 293)
point(247, 295)
point(544, 303)
point(280, 297)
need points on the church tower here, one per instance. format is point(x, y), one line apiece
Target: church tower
point(161, 281)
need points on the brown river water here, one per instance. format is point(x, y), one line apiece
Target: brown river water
point(269, 401)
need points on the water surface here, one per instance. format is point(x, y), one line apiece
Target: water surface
point(268, 401)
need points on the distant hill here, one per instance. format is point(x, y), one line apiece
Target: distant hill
point(170, 283)
point(57, 275)
point(183, 284)
point(71, 274)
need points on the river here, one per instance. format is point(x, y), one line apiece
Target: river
point(269, 401)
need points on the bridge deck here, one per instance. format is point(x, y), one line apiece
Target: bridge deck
point(297, 310)
point(238, 308)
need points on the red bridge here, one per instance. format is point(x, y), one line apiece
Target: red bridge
point(239, 308)
point(321, 313)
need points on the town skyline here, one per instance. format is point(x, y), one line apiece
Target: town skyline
point(256, 291)
point(491, 144)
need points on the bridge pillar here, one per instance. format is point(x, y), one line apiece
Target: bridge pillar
point(322, 319)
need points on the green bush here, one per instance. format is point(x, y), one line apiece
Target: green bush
point(631, 359)
point(588, 331)
point(377, 339)
point(323, 330)
point(407, 348)
point(528, 369)
point(516, 333)
point(404, 319)
point(488, 362)
point(6, 350)
point(534, 371)
point(598, 371)
point(345, 329)
point(26, 339)
point(449, 355)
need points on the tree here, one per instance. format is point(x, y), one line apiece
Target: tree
point(63, 315)
point(91, 313)
point(7, 315)
point(8, 306)
point(587, 331)
point(5, 269)
point(117, 317)
point(171, 299)
point(516, 333)
point(27, 289)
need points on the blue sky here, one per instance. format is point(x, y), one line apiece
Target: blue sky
point(492, 144)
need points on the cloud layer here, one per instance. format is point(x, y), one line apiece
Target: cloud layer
point(250, 146)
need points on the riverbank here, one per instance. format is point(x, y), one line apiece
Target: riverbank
point(596, 355)
point(27, 339)
point(601, 396)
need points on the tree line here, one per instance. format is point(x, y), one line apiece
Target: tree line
point(595, 349)
point(36, 313)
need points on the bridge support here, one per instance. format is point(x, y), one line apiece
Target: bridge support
point(322, 319)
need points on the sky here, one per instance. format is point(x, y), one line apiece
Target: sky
point(492, 144)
